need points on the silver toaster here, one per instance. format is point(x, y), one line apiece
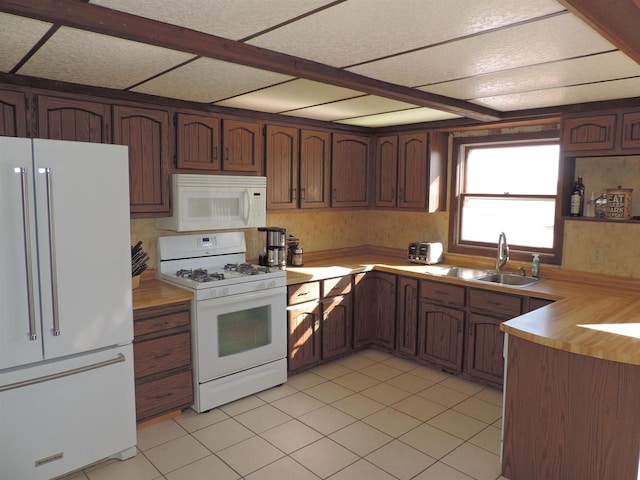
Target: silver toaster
point(425, 252)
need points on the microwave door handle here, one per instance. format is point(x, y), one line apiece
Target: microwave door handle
point(52, 249)
point(247, 206)
point(28, 255)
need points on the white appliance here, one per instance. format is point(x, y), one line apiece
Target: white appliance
point(66, 327)
point(216, 202)
point(238, 315)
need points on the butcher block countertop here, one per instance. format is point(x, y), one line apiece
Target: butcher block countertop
point(154, 293)
point(593, 315)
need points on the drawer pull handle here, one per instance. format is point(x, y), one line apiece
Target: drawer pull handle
point(164, 395)
point(492, 302)
point(162, 355)
point(440, 292)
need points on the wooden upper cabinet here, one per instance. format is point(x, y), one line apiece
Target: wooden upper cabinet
point(438, 162)
point(413, 170)
point(589, 133)
point(146, 133)
point(282, 166)
point(198, 142)
point(13, 114)
point(631, 130)
point(242, 146)
point(350, 168)
point(386, 171)
point(315, 167)
point(74, 120)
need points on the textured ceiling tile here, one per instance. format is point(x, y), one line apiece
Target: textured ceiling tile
point(289, 96)
point(403, 117)
point(232, 19)
point(556, 38)
point(355, 107)
point(17, 36)
point(626, 88)
point(360, 30)
point(594, 68)
point(207, 80)
point(88, 58)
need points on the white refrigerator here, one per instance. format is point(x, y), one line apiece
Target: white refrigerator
point(66, 329)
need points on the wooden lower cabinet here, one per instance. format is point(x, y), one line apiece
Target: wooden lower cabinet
point(337, 326)
point(374, 310)
point(440, 335)
point(407, 316)
point(162, 360)
point(485, 344)
point(304, 335)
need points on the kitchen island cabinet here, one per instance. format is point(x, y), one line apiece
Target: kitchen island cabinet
point(13, 113)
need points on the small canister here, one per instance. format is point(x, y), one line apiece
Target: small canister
point(619, 203)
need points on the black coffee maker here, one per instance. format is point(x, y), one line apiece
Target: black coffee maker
point(275, 249)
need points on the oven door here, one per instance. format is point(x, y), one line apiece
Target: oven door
point(235, 333)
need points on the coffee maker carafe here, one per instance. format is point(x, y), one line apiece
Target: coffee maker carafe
point(275, 251)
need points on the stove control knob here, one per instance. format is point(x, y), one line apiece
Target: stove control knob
point(271, 284)
point(225, 291)
point(261, 286)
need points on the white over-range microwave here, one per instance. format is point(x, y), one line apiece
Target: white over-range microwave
point(216, 202)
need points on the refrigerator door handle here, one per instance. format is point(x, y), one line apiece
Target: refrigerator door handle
point(33, 381)
point(26, 232)
point(52, 250)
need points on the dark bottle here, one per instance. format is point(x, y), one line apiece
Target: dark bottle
point(580, 188)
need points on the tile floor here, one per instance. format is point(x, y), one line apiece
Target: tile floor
point(368, 416)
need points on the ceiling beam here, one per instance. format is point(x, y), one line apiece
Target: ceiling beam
point(616, 20)
point(114, 23)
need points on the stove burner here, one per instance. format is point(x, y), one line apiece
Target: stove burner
point(246, 268)
point(200, 275)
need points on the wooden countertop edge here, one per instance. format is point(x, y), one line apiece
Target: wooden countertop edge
point(564, 325)
point(155, 293)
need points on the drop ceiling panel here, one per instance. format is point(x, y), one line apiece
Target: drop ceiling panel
point(207, 80)
point(18, 36)
point(594, 68)
point(355, 107)
point(626, 88)
point(403, 117)
point(289, 96)
point(224, 18)
point(547, 40)
point(360, 30)
point(88, 58)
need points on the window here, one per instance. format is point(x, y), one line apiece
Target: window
point(506, 184)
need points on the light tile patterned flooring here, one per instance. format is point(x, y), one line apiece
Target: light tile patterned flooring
point(369, 416)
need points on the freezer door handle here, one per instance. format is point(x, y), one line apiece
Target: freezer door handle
point(33, 381)
point(28, 257)
point(52, 249)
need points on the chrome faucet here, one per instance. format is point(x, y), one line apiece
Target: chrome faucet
point(502, 257)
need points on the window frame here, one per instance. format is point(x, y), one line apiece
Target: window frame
point(551, 255)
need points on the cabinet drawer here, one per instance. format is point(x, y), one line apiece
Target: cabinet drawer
point(163, 395)
point(158, 323)
point(499, 303)
point(442, 292)
point(162, 354)
point(336, 286)
point(303, 292)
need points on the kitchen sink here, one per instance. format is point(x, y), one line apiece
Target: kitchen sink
point(459, 272)
point(511, 279)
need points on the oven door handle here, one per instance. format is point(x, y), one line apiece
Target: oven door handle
point(244, 297)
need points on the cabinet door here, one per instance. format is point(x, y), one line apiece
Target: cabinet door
point(350, 168)
point(13, 114)
point(485, 344)
point(412, 171)
point(438, 162)
point(282, 167)
point(304, 335)
point(242, 146)
point(146, 133)
point(386, 171)
point(197, 142)
point(440, 335)
point(337, 326)
point(589, 133)
point(407, 315)
point(631, 130)
point(375, 309)
point(75, 120)
point(315, 165)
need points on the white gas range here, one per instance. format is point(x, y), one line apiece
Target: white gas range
point(238, 315)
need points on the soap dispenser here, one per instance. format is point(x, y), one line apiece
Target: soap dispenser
point(535, 266)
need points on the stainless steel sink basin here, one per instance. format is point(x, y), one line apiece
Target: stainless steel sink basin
point(511, 279)
point(459, 272)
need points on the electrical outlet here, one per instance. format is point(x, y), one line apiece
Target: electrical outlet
point(597, 255)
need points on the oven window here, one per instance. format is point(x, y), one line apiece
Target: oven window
point(244, 330)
